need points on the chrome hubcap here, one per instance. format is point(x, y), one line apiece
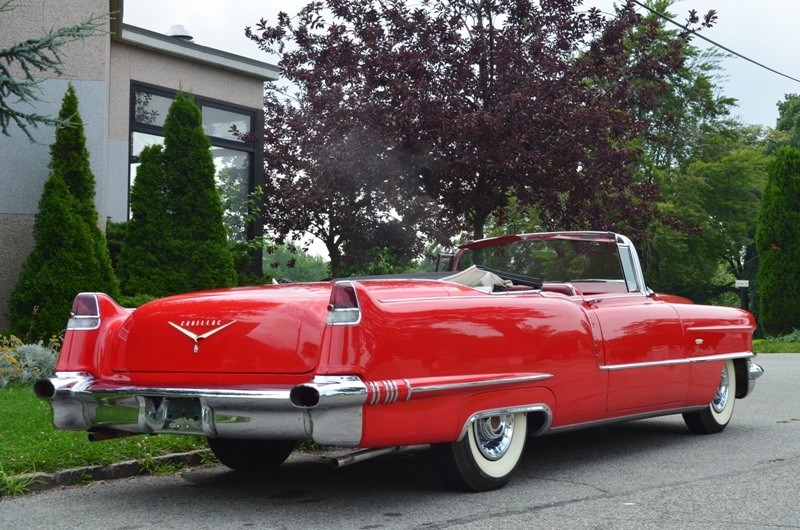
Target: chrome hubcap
point(721, 397)
point(493, 435)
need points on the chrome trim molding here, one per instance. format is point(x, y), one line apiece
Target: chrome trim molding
point(332, 318)
point(388, 391)
point(670, 362)
point(538, 407)
point(713, 329)
point(621, 419)
point(94, 321)
point(80, 402)
point(473, 384)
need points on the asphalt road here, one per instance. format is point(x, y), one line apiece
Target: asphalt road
point(645, 474)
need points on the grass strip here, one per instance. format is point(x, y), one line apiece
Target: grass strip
point(29, 442)
point(775, 346)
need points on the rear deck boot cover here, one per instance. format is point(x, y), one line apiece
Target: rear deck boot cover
point(268, 329)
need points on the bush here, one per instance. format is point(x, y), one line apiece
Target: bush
point(26, 363)
point(62, 264)
point(70, 253)
point(135, 300)
point(176, 239)
point(778, 245)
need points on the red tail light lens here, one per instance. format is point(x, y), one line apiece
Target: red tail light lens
point(343, 308)
point(85, 314)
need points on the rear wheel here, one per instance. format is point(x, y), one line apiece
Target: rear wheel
point(716, 416)
point(251, 455)
point(485, 458)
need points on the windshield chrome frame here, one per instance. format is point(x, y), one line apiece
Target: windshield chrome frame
point(610, 237)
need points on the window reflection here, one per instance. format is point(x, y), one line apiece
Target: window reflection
point(149, 108)
point(233, 182)
point(217, 122)
point(233, 162)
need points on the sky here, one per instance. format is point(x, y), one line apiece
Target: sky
point(765, 31)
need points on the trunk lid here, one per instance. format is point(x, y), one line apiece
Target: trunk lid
point(267, 329)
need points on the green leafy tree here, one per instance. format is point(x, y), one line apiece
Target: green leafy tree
point(42, 54)
point(70, 254)
point(176, 240)
point(709, 171)
point(789, 120)
point(697, 247)
point(778, 245)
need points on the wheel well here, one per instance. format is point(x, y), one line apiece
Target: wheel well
point(742, 377)
point(539, 422)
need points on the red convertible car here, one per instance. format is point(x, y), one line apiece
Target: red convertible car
point(526, 335)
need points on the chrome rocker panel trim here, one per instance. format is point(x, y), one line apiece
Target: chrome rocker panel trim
point(80, 402)
point(671, 362)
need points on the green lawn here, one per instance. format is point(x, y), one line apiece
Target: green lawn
point(29, 442)
point(775, 346)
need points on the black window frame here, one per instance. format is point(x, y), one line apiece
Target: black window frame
point(254, 149)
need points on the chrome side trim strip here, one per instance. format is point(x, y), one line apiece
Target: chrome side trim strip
point(741, 328)
point(539, 407)
point(621, 419)
point(670, 362)
point(474, 384)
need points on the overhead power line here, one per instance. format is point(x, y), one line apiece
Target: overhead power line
point(718, 45)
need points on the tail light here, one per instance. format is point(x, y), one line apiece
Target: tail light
point(343, 309)
point(85, 314)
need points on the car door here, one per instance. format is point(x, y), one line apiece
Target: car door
point(643, 351)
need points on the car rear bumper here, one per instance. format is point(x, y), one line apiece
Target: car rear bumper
point(81, 402)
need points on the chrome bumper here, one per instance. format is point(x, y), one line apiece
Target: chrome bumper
point(754, 371)
point(80, 402)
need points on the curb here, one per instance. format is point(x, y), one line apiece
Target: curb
point(129, 468)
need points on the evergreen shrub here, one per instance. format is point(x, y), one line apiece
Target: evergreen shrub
point(70, 253)
point(778, 245)
point(176, 239)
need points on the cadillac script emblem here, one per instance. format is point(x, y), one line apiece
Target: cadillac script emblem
point(200, 322)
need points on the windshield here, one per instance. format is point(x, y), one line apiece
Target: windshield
point(550, 260)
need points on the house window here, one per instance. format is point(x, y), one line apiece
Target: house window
point(234, 160)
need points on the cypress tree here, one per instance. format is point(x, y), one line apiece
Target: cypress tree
point(778, 245)
point(143, 263)
point(62, 264)
point(70, 253)
point(179, 242)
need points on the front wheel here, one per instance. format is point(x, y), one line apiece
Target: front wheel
point(251, 455)
point(716, 416)
point(485, 458)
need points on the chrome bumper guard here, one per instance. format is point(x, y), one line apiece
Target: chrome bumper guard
point(754, 371)
point(80, 403)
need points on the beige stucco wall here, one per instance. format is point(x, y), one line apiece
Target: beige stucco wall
point(85, 59)
point(16, 242)
point(23, 164)
point(131, 63)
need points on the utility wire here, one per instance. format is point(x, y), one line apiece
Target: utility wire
point(718, 45)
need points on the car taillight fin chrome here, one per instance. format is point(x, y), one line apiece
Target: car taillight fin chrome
point(343, 309)
point(85, 314)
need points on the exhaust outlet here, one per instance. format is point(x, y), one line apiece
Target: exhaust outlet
point(44, 388)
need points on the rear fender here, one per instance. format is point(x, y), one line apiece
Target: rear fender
point(445, 418)
point(84, 343)
point(537, 403)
